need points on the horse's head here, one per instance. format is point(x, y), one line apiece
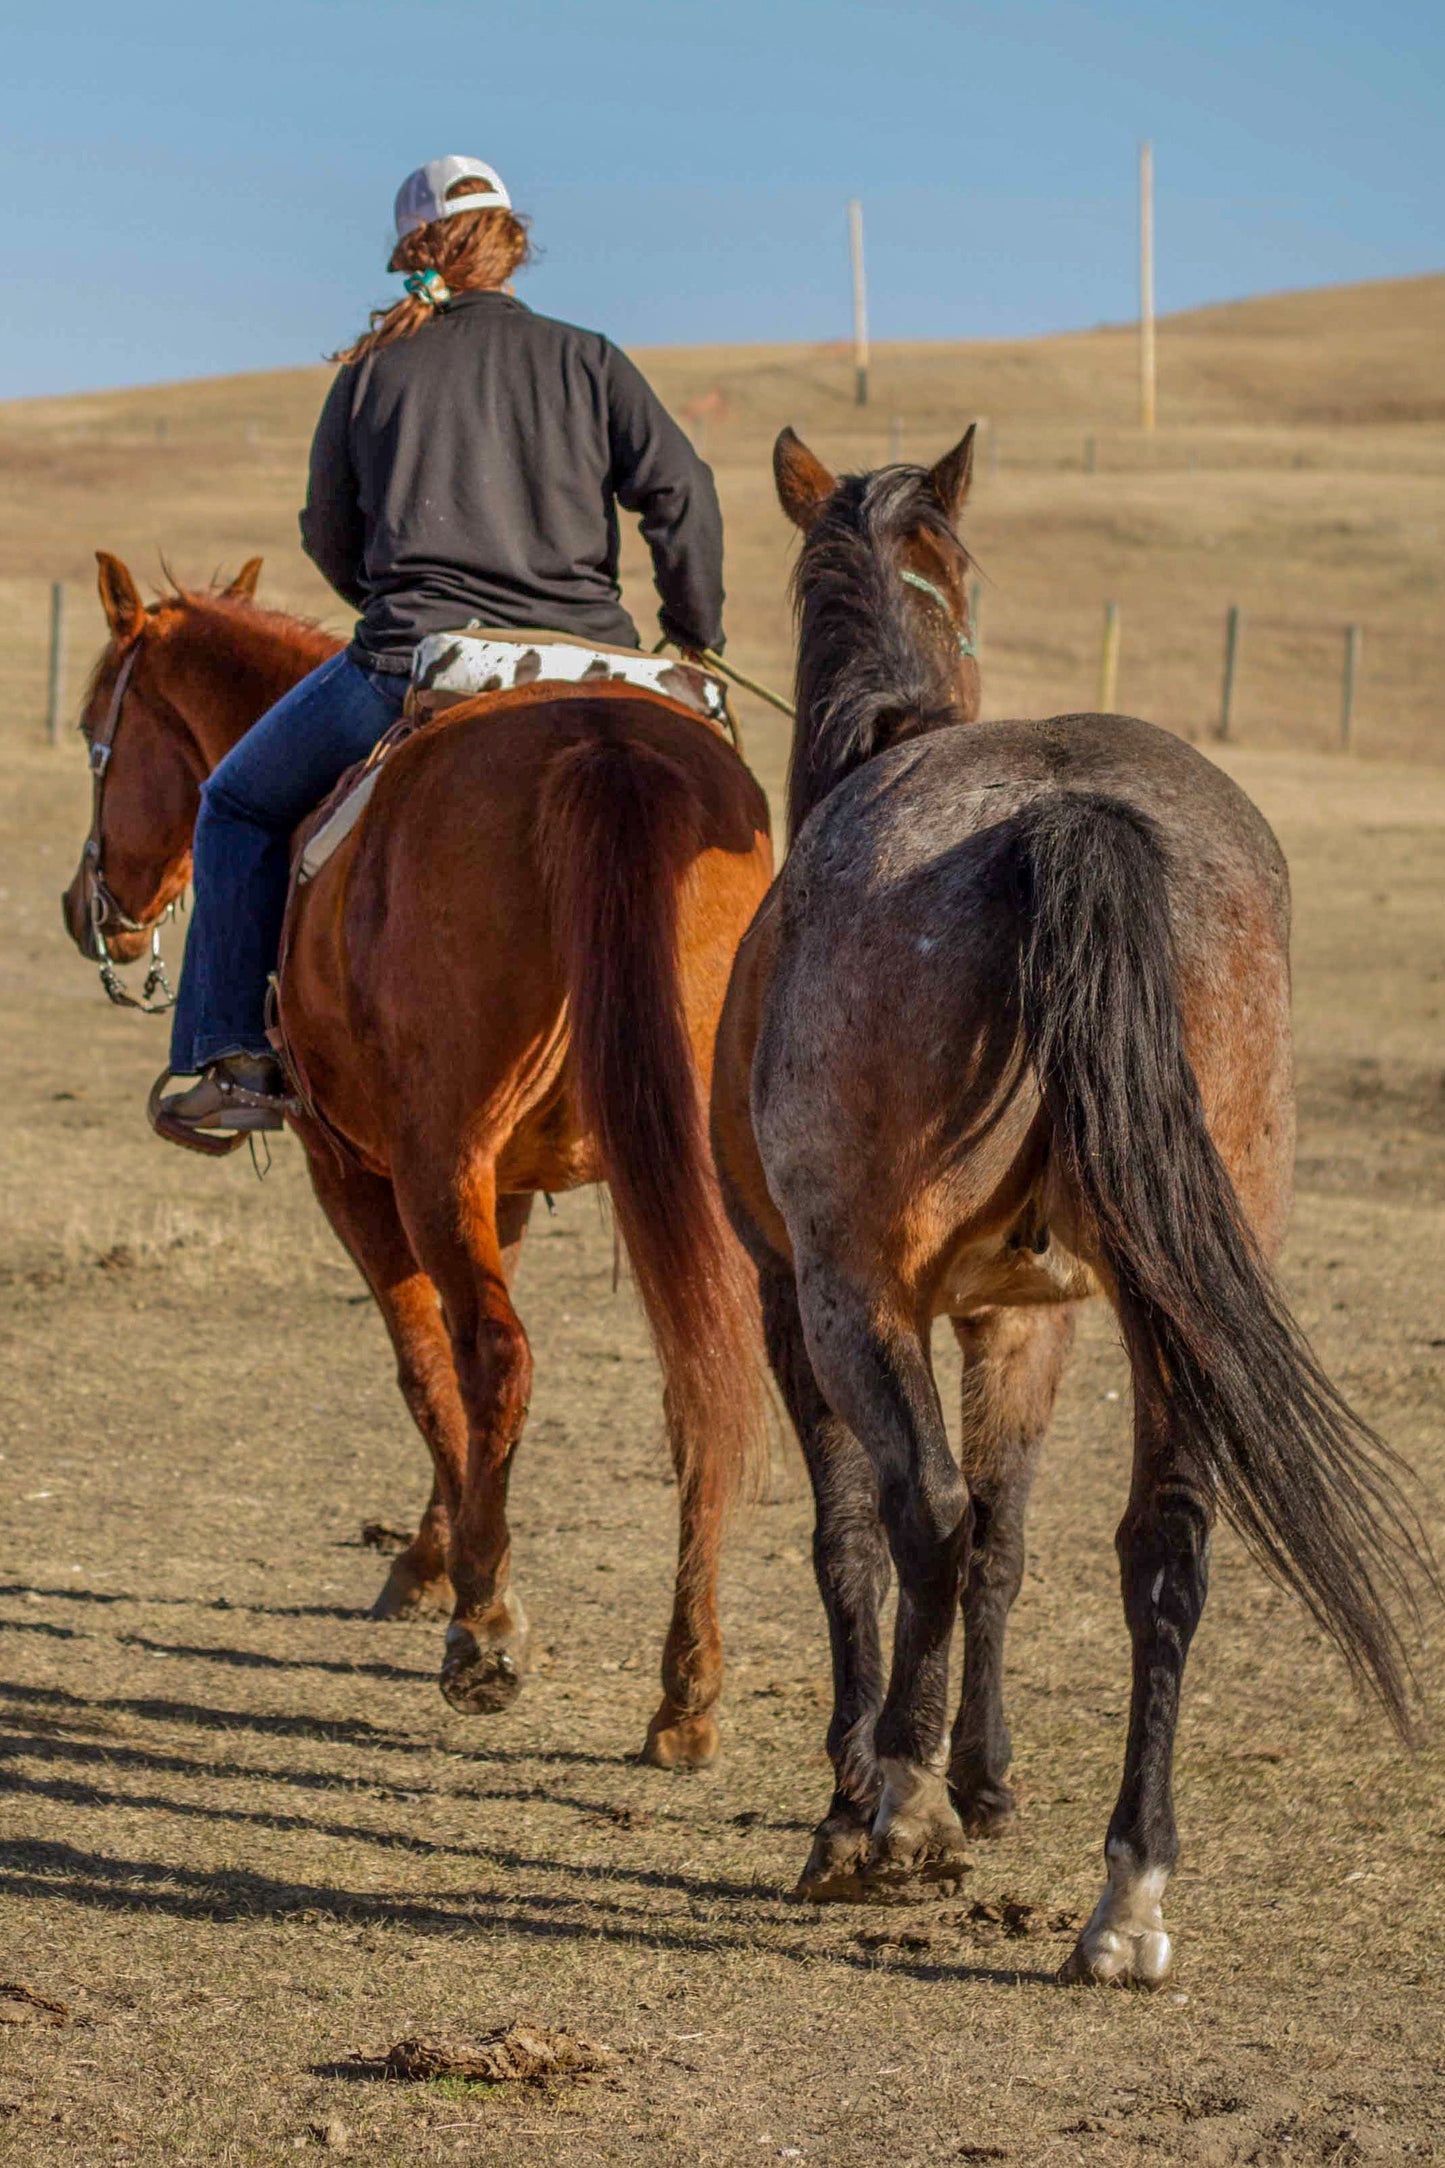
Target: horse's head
point(885, 644)
point(148, 758)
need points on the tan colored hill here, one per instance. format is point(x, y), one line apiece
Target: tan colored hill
point(1297, 471)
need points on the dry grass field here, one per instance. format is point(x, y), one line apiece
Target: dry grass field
point(243, 1840)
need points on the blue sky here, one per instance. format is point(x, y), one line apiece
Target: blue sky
point(196, 189)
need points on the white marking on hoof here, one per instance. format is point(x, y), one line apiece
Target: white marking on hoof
point(1124, 1943)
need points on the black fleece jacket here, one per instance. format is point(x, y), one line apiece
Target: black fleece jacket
point(474, 470)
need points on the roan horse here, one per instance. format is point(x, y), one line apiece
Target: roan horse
point(1012, 1029)
point(506, 980)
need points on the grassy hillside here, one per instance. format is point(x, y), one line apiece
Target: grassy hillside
point(1297, 471)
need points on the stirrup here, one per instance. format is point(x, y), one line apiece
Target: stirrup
point(211, 1143)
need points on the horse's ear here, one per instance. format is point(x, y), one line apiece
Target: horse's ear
point(804, 483)
point(119, 596)
point(243, 586)
point(951, 477)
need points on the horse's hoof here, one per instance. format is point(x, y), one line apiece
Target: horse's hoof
point(1123, 1942)
point(406, 1596)
point(1118, 1957)
point(479, 1680)
point(917, 1837)
point(834, 1873)
point(988, 1810)
point(680, 1742)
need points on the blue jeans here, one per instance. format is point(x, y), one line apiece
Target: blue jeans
point(250, 805)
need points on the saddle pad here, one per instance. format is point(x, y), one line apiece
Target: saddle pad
point(449, 667)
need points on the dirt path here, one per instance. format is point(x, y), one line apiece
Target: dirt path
point(244, 1838)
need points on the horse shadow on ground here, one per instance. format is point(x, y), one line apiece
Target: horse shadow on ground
point(606, 1900)
point(46, 1869)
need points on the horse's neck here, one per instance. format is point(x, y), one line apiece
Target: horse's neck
point(222, 675)
point(859, 696)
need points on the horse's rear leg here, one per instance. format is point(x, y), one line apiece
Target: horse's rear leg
point(458, 1233)
point(1163, 1544)
point(362, 1209)
point(1012, 1362)
point(875, 1374)
point(850, 1558)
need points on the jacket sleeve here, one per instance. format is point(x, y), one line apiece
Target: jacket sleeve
point(333, 532)
point(656, 472)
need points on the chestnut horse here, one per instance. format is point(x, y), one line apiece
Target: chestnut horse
point(507, 979)
point(1012, 1029)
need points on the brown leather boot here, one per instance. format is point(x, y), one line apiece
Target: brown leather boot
point(242, 1091)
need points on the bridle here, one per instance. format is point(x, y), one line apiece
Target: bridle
point(926, 587)
point(103, 914)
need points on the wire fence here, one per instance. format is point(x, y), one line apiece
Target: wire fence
point(1240, 677)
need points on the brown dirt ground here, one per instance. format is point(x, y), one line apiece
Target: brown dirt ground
point(242, 1837)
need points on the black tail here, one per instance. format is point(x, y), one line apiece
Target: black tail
point(1308, 1485)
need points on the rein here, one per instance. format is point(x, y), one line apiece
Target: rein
point(102, 909)
point(926, 587)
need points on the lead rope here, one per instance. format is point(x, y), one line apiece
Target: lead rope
point(714, 661)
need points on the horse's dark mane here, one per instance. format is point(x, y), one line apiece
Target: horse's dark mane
point(864, 677)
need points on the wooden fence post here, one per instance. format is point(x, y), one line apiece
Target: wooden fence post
point(1146, 288)
point(1091, 455)
point(860, 302)
point(1354, 637)
point(1109, 660)
point(1231, 658)
point(55, 692)
point(895, 440)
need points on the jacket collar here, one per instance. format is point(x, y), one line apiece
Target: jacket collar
point(483, 297)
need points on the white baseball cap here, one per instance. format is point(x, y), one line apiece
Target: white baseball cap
point(422, 196)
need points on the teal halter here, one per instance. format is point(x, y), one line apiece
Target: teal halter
point(926, 587)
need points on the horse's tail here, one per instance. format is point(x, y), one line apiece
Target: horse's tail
point(1311, 1489)
point(618, 833)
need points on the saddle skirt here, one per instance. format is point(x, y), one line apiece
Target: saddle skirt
point(450, 667)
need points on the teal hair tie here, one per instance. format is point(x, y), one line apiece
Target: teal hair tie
point(430, 286)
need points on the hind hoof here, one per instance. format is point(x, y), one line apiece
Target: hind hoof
point(405, 1595)
point(1108, 1957)
point(1123, 1943)
point(479, 1680)
point(680, 1742)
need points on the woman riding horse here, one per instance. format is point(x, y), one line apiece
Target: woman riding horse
point(467, 466)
